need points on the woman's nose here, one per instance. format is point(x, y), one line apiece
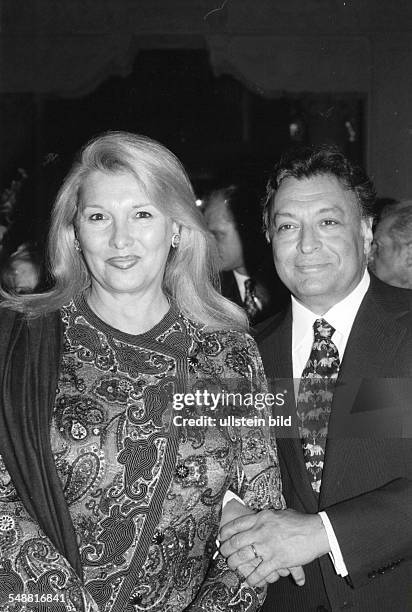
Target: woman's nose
point(121, 237)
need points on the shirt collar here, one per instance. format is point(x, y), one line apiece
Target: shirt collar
point(240, 281)
point(240, 277)
point(341, 316)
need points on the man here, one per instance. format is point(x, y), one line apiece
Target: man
point(391, 255)
point(346, 461)
point(248, 277)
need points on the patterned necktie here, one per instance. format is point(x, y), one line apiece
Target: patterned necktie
point(249, 301)
point(314, 400)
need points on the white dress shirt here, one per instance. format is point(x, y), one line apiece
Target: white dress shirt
point(341, 316)
point(240, 280)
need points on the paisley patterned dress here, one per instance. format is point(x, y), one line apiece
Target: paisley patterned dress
point(144, 491)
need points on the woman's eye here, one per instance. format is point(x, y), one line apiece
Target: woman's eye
point(143, 214)
point(96, 217)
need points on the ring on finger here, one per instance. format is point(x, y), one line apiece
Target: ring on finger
point(252, 546)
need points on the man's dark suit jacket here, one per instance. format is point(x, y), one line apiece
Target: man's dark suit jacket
point(367, 476)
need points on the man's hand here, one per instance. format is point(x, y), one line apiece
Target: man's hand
point(282, 538)
point(234, 510)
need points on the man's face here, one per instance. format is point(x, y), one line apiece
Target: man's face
point(391, 261)
point(319, 240)
point(224, 230)
point(25, 276)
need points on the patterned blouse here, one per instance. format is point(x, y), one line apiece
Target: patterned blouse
point(144, 485)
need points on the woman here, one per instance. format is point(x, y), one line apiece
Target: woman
point(107, 502)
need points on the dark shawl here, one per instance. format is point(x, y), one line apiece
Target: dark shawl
point(30, 356)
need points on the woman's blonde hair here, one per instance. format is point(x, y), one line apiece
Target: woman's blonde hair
point(191, 274)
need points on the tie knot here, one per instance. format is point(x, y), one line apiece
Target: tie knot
point(322, 329)
point(249, 285)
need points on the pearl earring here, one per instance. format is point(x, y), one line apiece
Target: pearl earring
point(77, 245)
point(175, 240)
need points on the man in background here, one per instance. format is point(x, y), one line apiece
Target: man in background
point(391, 254)
point(247, 273)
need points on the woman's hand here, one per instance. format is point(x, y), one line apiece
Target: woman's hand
point(235, 509)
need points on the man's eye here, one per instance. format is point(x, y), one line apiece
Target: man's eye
point(329, 222)
point(285, 227)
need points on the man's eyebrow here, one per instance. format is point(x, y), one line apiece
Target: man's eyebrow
point(321, 211)
point(283, 214)
point(329, 209)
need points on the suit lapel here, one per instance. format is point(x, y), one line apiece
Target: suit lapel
point(276, 352)
point(373, 341)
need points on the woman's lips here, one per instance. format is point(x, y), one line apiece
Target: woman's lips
point(123, 263)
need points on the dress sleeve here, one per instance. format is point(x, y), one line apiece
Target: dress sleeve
point(33, 574)
point(256, 481)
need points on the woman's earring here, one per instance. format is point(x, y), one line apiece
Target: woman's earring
point(175, 240)
point(77, 245)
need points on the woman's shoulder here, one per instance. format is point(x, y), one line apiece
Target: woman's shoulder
point(233, 337)
point(228, 337)
point(231, 348)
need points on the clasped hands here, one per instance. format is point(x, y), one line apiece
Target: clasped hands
point(266, 545)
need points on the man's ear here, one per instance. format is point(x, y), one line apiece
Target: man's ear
point(366, 229)
point(409, 254)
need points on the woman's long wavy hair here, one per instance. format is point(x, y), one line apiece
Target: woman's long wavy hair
point(190, 277)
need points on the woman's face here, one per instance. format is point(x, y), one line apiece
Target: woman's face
point(124, 238)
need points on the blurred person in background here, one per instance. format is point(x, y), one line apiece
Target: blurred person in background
point(391, 254)
point(248, 276)
point(4, 228)
point(22, 271)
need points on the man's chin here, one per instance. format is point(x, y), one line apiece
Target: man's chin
point(312, 288)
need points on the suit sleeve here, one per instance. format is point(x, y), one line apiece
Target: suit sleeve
point(374, 530)
point(257, 483)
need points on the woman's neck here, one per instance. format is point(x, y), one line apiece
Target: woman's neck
point(130, 314)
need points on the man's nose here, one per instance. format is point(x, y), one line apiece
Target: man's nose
point(120, 237)
point(309, 239)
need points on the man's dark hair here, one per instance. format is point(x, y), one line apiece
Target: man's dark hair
point(307, 162)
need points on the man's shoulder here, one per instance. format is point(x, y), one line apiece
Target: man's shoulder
point(395, 300)
point(268, 327)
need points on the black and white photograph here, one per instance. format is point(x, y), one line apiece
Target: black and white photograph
point(205, 306)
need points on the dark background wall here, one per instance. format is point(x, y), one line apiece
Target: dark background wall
point(227, 86)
